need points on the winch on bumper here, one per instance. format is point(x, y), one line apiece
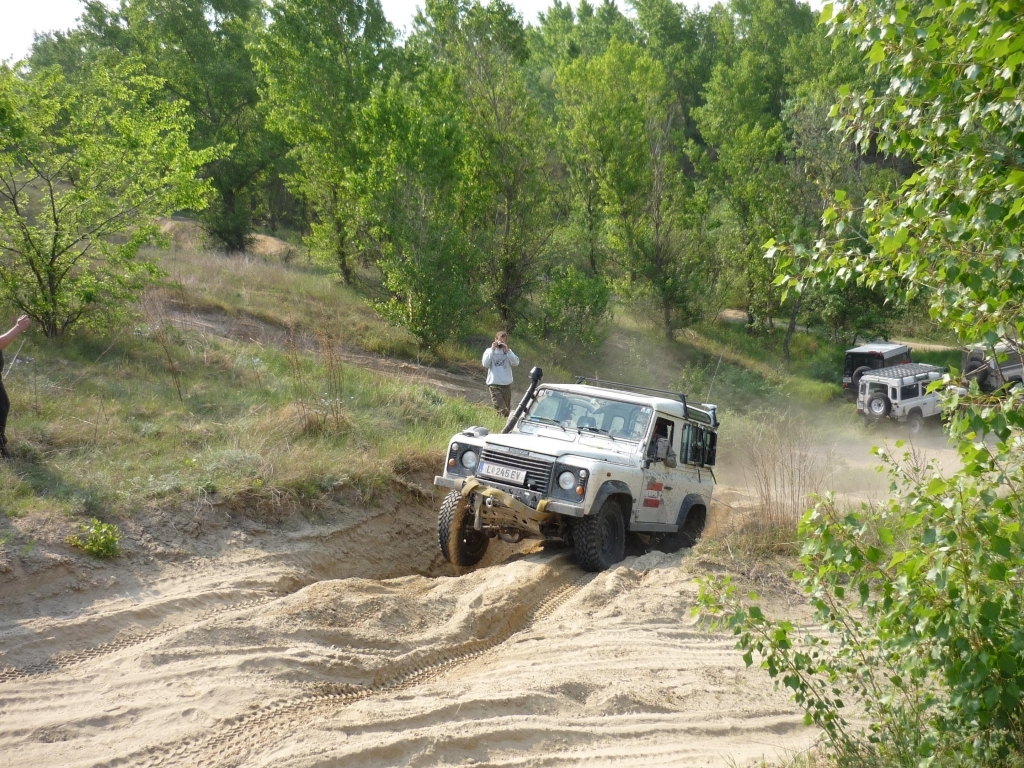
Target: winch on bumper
point(498, 510)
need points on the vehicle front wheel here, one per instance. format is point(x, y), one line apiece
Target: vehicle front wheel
point(599, 540)
point(460, 543)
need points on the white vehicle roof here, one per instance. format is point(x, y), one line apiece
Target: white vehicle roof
point(702, 412)
point(904, 374)
point(882, 347)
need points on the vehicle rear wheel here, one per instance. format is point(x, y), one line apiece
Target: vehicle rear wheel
point(856, 377)
point(460, 543)
point(599, 540)
point(687, 536)
point(915, 423)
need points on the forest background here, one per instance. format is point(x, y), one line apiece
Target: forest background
point(484, 169)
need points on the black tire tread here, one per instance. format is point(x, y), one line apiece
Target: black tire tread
point(450, 522)
point(586, 539)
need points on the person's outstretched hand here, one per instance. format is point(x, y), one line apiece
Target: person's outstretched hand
point(23, 322)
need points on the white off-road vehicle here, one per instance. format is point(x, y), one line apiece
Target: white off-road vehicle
point(586, 464)
point(900, 393)
point(871, 357)
point(993, 367)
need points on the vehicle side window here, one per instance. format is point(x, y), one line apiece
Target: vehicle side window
point(710, 448)
point(908, 392)
point(663, 428)
point(892, 393)
point(695, 452)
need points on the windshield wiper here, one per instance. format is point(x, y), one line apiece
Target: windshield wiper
point(546, 420)
point(604, 432)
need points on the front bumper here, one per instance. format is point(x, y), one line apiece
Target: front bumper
point(499, 509)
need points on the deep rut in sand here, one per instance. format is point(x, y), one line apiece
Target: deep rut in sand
point(232, 741)
point(63, 661)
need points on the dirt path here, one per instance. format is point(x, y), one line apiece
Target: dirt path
point(249, 328)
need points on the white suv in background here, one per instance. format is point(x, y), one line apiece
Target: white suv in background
point(900, 393)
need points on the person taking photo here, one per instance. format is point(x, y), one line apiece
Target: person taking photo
point(498, 360)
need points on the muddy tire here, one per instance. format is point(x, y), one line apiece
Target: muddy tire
point(460, 544)
point(687, 536)
point(599, 541)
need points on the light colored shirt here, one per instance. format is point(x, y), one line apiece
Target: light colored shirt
point(498, 363)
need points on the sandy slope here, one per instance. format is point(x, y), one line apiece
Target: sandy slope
point(255, 656)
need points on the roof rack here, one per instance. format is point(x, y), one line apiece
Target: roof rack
point(704, 412)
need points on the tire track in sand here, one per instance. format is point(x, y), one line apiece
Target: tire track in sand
point(63, 661)
point(237, 736)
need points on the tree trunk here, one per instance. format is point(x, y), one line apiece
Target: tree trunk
point(666, 306)
point(342, 254)
point(791, 329)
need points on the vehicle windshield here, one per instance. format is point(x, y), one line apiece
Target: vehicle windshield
point(622, 421)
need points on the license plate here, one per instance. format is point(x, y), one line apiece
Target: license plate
point(498, 472)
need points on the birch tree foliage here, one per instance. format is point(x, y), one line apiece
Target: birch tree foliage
point(951, 103)
point(617, 120)
point(84, 169)
point(920, 598)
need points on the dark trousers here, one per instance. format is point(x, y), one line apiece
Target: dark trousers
point(5, 408)
point(501, 397)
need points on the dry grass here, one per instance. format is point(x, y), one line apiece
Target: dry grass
point(785, 463)
point(177, 418)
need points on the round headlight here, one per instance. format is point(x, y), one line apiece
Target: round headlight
point(455, 447)
point(469, 459)
point(566, 480)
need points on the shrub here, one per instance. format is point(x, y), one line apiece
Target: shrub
point(575, 307)
point(99, 539)
point(921, 607)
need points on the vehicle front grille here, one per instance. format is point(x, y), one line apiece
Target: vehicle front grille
point(538, 471)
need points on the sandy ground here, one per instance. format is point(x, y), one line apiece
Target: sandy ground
point(235, 660)
point(346, 641)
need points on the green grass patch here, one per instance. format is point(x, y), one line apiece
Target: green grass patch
point(98, 427)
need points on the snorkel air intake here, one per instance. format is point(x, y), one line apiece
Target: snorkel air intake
point(535, 376)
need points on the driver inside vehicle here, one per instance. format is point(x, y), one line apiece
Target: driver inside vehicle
point(660, 447)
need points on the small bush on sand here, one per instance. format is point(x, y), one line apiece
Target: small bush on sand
point(99, 539)
point(785, 466)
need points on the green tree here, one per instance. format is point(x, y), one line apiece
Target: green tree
point(418, 203)
point(617, 118)
point(574, 307)
point(321, 59)
point(84, 168)
point(486, 47)
point(741, 123)
point(921, 600)
point(199, 48)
